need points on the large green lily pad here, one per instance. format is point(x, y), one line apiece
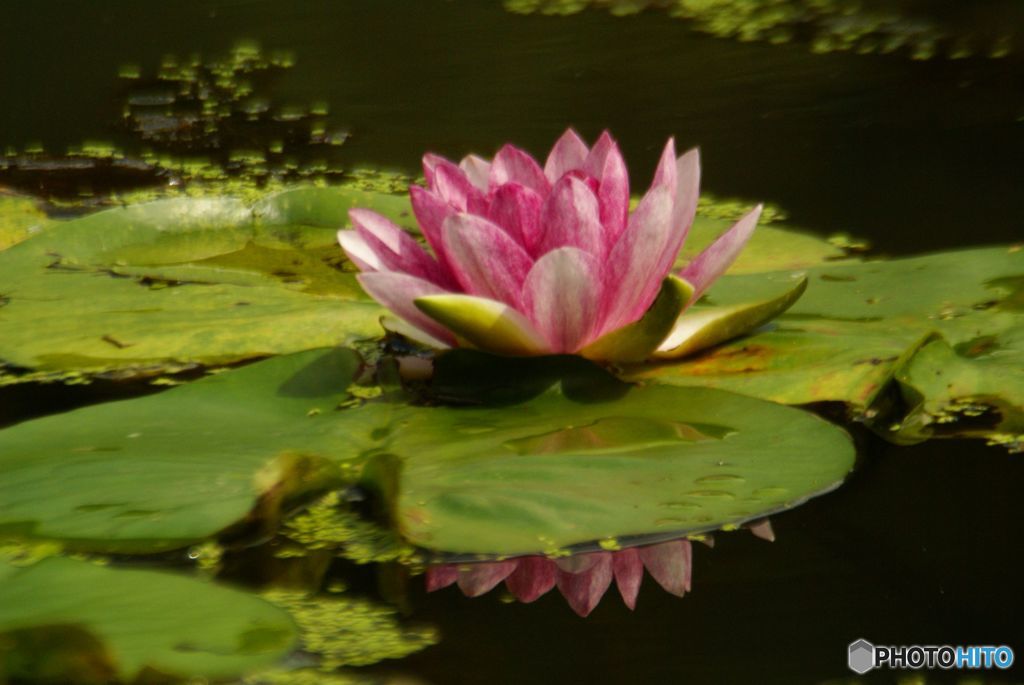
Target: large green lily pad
point(590, 458)
point(185, 281)
point(163, 471)
point(63, 620)
point(859, 324)
point(564, 454)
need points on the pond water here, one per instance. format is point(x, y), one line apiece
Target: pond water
point(918, 547)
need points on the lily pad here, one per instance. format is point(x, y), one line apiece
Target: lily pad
point(973, 389)
point(63, 620)
point(163, 471)
point(859, 324)
point(20, 218)
point(589, 458)
point(561, 455)
point(181, 282)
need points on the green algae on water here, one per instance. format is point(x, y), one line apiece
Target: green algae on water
point(350, 631)
point(329, 524)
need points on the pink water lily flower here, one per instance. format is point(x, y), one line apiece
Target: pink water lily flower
point(531, 260)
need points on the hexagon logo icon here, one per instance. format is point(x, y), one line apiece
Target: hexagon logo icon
point(861, 656)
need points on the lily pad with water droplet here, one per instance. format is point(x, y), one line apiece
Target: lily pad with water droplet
point(71, 621)
point(163, 471)
point(560, 454)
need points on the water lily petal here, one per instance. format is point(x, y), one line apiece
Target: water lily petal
point(357, 250)
point(687, 195)
point(514, 165)
point(517, 209)
point(430, 162)
point(562, 295)
point(533, 577)
point(571, 216)
point(719, 255)
point(584, 590)
point(570, 152)
point(486, 261)
point(485, 324)
point(684, 175)
point(669, 564)
point(452, 186)
point(593, 165)
point(395, 249)
point(477, 579)
point(763, 529)
point(477, 170)
point(632, 263)
point(397, 292)
point(575, 563)
point(667, 172)
point(628, 570)
point(382, 228)
point(431, 211)
point(638, 341)
point(613, 195)
point(702, 327)
point(441, 576)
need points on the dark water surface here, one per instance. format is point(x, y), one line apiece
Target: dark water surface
point(921, 546)
point(914, 155)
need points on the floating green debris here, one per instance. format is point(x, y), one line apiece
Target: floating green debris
point(731, 209)
point(308, 676)
point(861, 26)
point(27, 552)
point(350, 631)
point(129, 71)
point(329, 524)
point(205, 125)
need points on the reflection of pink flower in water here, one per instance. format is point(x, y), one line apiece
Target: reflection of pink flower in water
point(536, 260)
point(581, 578)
